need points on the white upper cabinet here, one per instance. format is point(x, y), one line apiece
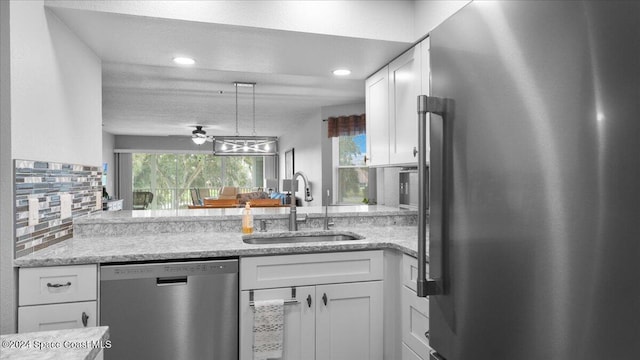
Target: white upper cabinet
point(405, 81)
point(377, 107)
point(392, 113)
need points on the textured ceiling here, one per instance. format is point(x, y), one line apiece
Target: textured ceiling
point(144, 93)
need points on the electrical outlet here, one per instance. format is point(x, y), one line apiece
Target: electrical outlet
point(98, 200)
point(34, 206)
point(65, 206)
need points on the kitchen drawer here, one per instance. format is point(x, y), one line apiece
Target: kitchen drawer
point(415, 322)
point(57, 316)
point(310, 269)
point(410, 271)
point(57, 284)
point(408, 354)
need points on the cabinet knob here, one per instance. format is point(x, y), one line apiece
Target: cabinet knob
point(309, 300)
point(324, 299)
point(85, 319)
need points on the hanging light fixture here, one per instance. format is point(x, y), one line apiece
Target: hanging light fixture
point(250, 145)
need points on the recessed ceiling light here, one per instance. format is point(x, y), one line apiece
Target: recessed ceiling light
point(341, 72)
point(183, 60)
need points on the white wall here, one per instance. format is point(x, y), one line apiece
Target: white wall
point(305, 139)
point(56, 90)
point(54, 111)
point(7, 273)
point(162, 144)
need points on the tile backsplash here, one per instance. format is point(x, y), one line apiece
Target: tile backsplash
point(54, 185)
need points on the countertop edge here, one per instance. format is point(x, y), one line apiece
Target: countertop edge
point(259, 250)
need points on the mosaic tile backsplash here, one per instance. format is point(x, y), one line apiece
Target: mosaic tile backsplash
point(57, 188)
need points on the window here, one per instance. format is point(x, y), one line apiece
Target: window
point(169, 177)
point(351, 175)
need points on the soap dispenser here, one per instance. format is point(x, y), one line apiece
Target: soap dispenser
point(247, 220)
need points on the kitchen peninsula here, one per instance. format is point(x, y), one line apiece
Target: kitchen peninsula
point(124, 254)
point(186, 234)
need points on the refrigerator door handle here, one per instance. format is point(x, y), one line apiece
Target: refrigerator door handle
point(438, 106)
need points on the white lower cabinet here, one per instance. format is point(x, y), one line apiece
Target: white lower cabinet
point(408, 354)
point(299, 322)
point(349, 321)
point(57, 297)
point(339, 320)
point(57, 316)
point(415, 315)
point(415, 322)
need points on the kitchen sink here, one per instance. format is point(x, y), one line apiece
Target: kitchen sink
point(300, 237)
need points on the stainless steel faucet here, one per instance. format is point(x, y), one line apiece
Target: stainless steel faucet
point(326, 212)
point(293, 212)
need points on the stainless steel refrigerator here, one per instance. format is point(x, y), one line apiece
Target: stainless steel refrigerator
point(534, 248)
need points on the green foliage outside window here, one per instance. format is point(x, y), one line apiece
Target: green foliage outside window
point(353, 175)
point(171, 176)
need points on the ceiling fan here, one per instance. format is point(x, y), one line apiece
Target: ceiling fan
point(199, 136)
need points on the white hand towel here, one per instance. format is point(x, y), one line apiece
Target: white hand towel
point(268, 329)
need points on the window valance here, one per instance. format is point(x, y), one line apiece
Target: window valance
point(346, 125)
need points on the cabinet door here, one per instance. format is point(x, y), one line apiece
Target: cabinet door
point(349, 321)
point(56, 316)
point(377, 107)
point(299, 322)
point(405, 82)
point(408, 354)
point(415, 322)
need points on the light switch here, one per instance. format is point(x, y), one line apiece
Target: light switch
point(65, 206)
point(34, 206)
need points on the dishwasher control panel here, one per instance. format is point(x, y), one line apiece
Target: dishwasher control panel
point(137, 271)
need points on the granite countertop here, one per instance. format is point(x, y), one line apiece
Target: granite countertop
point(128, 236)
point(70, 344)
point(105, 249)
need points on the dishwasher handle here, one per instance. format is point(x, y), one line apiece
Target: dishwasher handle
point(169, 281)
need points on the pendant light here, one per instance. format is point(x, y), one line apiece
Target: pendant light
point(245, 145)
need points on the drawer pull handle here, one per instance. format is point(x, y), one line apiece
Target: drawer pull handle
point(324, 299)
point(85, 319)
point(309, 300)
point(58, 285)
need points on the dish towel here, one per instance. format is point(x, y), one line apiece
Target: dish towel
point(268, 329)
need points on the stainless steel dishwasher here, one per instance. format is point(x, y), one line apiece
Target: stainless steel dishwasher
point(176, 310)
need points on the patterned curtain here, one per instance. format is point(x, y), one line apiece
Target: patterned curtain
point(346, 125)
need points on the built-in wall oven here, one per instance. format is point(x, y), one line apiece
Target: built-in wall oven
point(173, 310)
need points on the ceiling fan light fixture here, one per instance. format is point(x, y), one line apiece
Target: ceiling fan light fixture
point(199, 136)
point(198, 140)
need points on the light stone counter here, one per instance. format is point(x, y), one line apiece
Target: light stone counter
point(176, 246)
point(127, 236)
point(71, 344)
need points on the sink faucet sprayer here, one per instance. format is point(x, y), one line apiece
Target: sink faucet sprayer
point(293, 212)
